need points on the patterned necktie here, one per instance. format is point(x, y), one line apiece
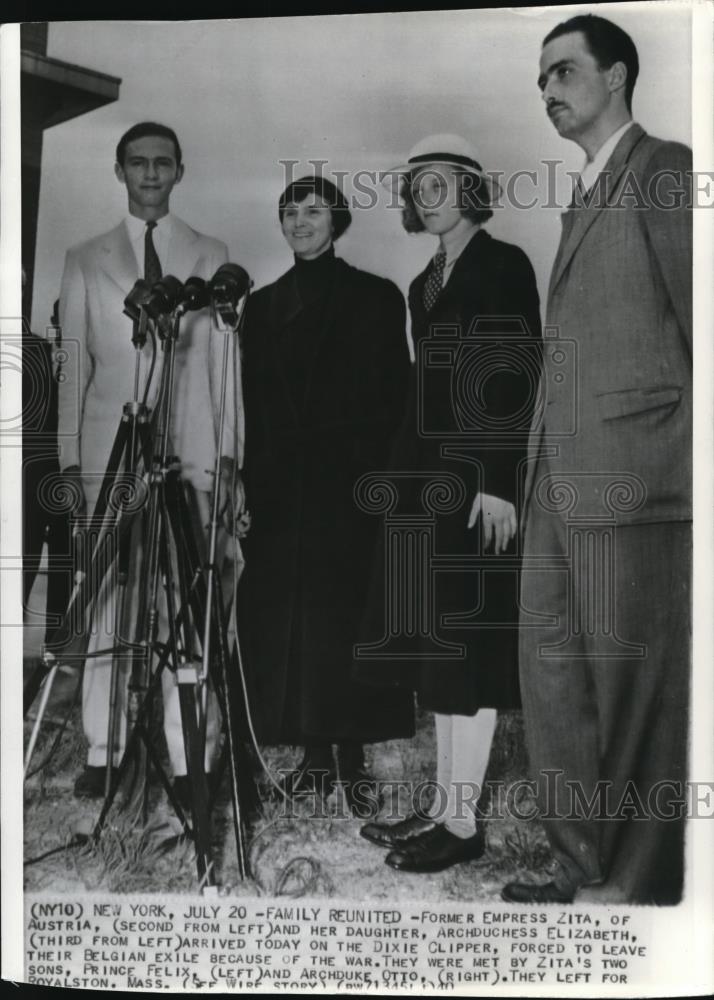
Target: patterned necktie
point(432, 285)
point(152, 264)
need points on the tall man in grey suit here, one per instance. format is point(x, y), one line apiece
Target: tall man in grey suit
point(99, 378)
point(605, 606)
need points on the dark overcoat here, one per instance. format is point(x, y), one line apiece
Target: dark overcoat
point(473, 392)
point(310, 549)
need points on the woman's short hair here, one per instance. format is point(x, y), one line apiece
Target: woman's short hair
point(473, 199)
point(298, 191)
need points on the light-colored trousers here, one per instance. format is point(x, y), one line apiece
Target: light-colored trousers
point(97, 671)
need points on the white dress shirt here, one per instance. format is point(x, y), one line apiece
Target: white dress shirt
point(161, 236)
point(592, 168)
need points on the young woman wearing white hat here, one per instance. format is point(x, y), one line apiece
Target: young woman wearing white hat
point(478, 298)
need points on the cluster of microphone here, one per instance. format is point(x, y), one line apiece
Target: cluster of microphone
point(169, 297)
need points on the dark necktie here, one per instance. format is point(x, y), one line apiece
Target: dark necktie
point(152, 264)
point(432, 285)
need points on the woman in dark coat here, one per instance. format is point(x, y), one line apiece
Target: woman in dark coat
point(326, 369)
point(476, 329)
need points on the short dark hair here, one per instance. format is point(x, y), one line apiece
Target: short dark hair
point(298, 191)
point(473, 199)
point(608, 44)
point(140, 131)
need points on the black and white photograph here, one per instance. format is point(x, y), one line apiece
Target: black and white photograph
point(356, 542)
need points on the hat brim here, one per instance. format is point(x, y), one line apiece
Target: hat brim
point(395, 177)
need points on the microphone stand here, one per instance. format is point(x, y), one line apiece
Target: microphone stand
point(162, 529)
point(69, 641)
point(170, 540)
point(171, 554)
point(215, 608)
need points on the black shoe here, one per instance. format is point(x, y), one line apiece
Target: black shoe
point(90, 783)
point(396, 834)
point(530, 892)
point(436, 850)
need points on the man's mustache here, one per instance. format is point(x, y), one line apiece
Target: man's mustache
point(555, 106)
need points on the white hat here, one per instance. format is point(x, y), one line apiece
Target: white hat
point(446, 148)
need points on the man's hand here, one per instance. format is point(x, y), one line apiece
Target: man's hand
point(498, 520)
point(72, 479)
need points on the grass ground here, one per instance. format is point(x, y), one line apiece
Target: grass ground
point(291, 851)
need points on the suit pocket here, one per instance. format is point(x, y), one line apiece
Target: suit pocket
point(630, 402)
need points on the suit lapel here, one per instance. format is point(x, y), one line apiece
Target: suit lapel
point(181, 258)
point(463, 282)
point(460, 284)
point(577, 221)
point(117, 259)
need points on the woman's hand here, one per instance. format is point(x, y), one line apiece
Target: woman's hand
point(498, 520)
point(231, 500)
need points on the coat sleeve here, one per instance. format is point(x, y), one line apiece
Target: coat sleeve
point(511, 389)
point(386, 359)
point(78, 367)
point(668, 223)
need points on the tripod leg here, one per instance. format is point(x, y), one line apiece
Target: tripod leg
point(138, 715)
point(72, 632)
point(240, 764)
point(74, 620)
point(35, 681)
point(218, 621)
point(146, 630)
point(128, 541)
point(186, 680)
point(49, 681)
point(116, 672)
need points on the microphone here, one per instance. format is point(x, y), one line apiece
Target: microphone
point(227, 287)
point(136, 300)
point(195, 294)
point(164, 297)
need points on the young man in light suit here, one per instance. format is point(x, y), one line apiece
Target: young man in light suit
point(99, 378)
point(604, 647)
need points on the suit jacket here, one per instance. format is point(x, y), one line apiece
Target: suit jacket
point(618, 393)
point(99, 370)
